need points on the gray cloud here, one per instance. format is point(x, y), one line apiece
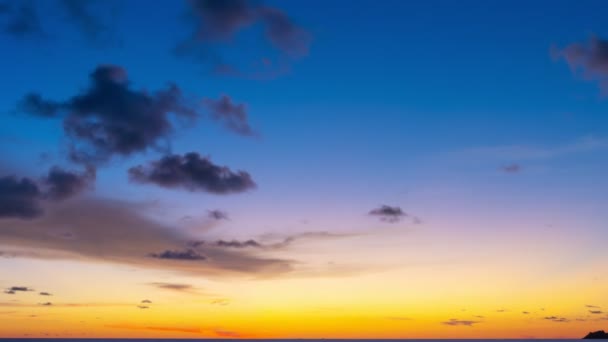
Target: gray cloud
point(109, 118)
point(218, 214)
point(590, 57)
point(192, 172)
point(238, 244)
point(511, 168)
point(556, 319)
point(19, 198)
point(458, 322)
point(118, 232)
point(233, 116)
point(187, 254)
point(596, 312)
point(219, 21)
point(45, 294)
point(388, 214)
point(20, 19)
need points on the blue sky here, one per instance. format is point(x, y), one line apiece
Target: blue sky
point(467, 115)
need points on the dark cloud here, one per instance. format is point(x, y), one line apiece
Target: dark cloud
point(82, 15)
point(218, 214)
point(525, 312)
point(557, 319)
point(146, 301)
point(233, 116)
point(46, 304)
point(592, 306)
point(175, 287)
point(194, 173)
point(187, 254)
point(45, 294)
point(120, 232)
point(15, 289)
point(596, 312)
point(457, 322)
point(238, 244)
point(109, 118)
point(22, 198)
point(511, 168)
point(19, 198)
point(219, 21)
point(143, 307)
point(590, 57)
point(20, 19)
point(64, 184)
point(388, 213)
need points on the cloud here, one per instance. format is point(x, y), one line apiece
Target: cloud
point(19, 198)
point(590, 57)
point(64, 184)
point(220, 21)
point(525, 312)
point(80, 13)
point(46, 304)
point(221, 301)
point(194, 173)
point(592, 306)
point(388, 213)
point(15, 289)
point(596, 312)
point(188, 254)
point(109, 118)
point(457, 322)
point(511, 168)
point(238, 244)
point(557, 319)
point(218, 214)
point(146, 301)
point(175, 287)
point(20, 19)
point(143, 307)
point(45, 294)
point(120, 232)
point(233, 116)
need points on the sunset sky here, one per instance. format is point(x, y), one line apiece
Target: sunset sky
point(303, 169)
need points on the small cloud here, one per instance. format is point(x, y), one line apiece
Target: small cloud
point(15, 289)
point(143, 307)
point(174, 287)
point(525, 312)
point(231, 115)
point(45, 294)
point(218, 214)
point(388, 214)
point(188, 255)
point(220, 301)
point(46, 304)
point(146, 301)
point(511, 168)
point(457, 322)
point(238, 244)
point(556, 319)
point(596, 312)
point(592, 306)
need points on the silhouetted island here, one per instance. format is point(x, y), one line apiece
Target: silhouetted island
point(596, 335)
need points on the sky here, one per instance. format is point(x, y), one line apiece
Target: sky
point(303, 169)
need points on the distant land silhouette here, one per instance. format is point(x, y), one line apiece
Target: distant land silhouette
point(597, 335)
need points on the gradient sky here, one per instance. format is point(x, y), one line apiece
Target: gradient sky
point(393, 169)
